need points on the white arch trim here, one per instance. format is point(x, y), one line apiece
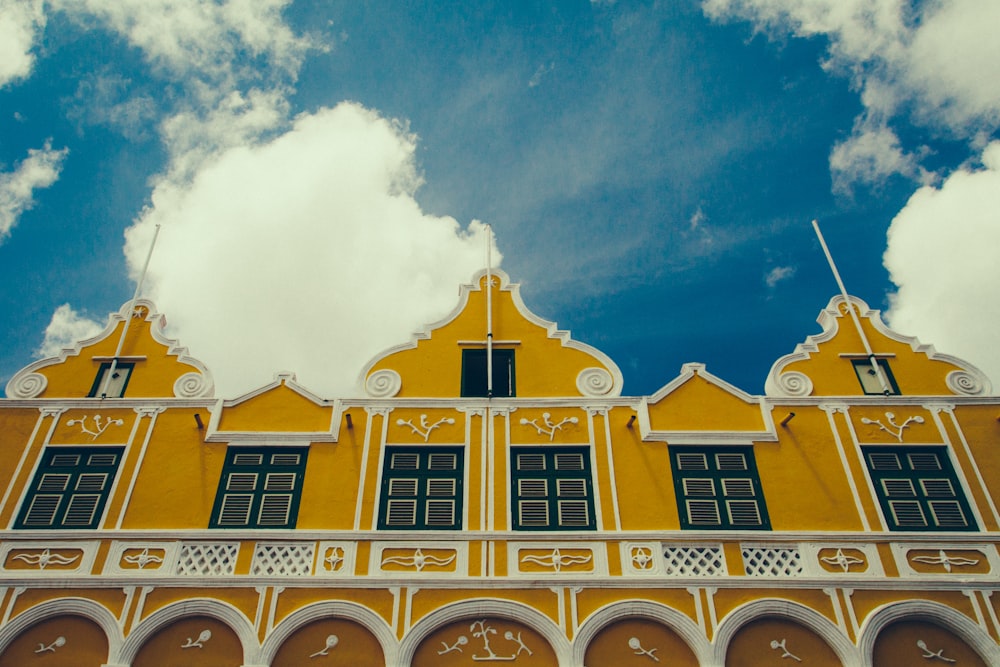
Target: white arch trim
point(846, 652)
point(475, 609)
point(221, 611)
point(349, 611)
point(931, 612)
point(88, 609)
point(675, 620)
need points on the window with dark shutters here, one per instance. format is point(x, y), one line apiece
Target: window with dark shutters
point(718, 488)
point(259, 488)
point(70, 488)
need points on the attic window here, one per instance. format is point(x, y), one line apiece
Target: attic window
point(115, 387)
point(869, 380)
point(474, 373)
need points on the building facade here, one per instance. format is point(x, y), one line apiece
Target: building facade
point(490, 496)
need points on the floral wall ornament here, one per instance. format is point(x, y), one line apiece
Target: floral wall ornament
point(785, 653)
point(482, 630)
point(425, 428)
point(894, 429)
point(58, 643)
point(331, 642)
point(556, 559)
point(97, 424)
point(45, 558)
point(931, 655)
point(198, 643)
point(945, 560)
point(636, 645)
point(549, 427)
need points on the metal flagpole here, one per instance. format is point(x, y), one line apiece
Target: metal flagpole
point(489, 311)
point(854, 316)
point(128, 318)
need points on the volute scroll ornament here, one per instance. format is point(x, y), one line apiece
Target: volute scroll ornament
point(595, 382)
point(385, 383)
point(193, 385)
point(794, 383)
point(28, 385)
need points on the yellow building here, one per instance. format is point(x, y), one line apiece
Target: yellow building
point(490, 496)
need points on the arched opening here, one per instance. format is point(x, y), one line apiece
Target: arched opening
point(339, 642)
point(638, 641)
point(195, 641)
point(917, 641)
point(777, 640)
point(61, 640)
point(489, 639)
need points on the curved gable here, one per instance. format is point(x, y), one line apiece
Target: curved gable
point(824, 365)
point(156, 366)
point(542, 360)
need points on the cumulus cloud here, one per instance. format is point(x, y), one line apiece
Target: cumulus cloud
point(872, 153)
point(286, 243)
point(933, 62)
point(21, 21)
point(777, 274)
point(215, 45)
point(942, 256)
point(39, 170)
point(66, 328)
point(305, 253)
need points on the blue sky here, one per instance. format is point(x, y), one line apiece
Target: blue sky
point(321, 172)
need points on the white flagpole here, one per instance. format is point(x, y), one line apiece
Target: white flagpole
point(135, 297)
point(854, 316)
point(489, 311)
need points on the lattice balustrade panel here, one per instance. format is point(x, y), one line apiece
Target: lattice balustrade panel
point(283, 560)
point(202, 560)
point(772, 561)
point(693, 561)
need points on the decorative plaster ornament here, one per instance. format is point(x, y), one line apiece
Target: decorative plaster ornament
point(556, 560)
point(842, 560)
point(931, 655)
point(775, 644)
point(142, 559)
point(550, 427)
point(890, 417)
point(97, 422)
point(636, 645)
point(198, 643)
point(945, 560)
point(457, 646)
point(331, 641)
point(418, 560)
point(424, 431)
point(642, 558)
point(58, 643)
point(334, 559)
point(45, 558)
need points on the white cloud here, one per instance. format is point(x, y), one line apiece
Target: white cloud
point(933, 62)
point(872, 153)
point(21, 21)
point(942, 256)
point(39, 170)
point(65, 330)
point(779, 273)
point(307, 253)
point(213, 43)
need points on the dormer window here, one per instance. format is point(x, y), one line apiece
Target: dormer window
point(113, 386)
point(474, 373)
point(869, 379)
